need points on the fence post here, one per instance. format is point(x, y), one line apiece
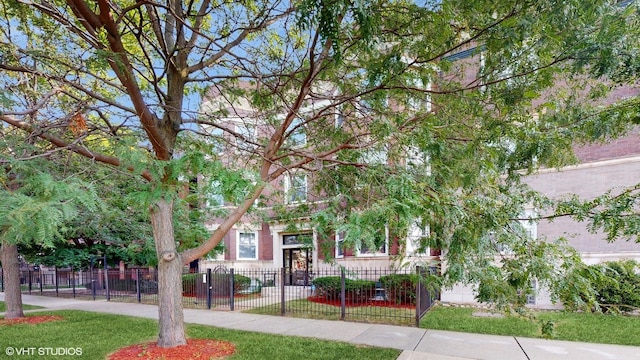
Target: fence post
point(106, 278)
point(73, 282)
point(30, 281)
point(283, 274)
point(232, 285)
point(418, 296)
point(55, 273)
point(343, 293)
point(138, 291)
point(41, 280)
point(93, 282)
point(1, 280)
point(209, 288)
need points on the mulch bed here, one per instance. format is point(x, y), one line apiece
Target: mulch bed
point(348, 303)
point(194, 349)
point(30, 320)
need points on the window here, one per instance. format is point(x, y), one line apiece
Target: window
point(297, 134)
point(375, 155)
point(525, 227)
point(297, 239)
point(418, 160)
point(216, 138)
point(382, 247)
point(339, 118)
point(339, 244)
point(418, 231)
point(530, 226)
point(246, 136)
point(213, 195)
point(295, 188)
point(422, 100)
point(247, 245)
point(531, 298)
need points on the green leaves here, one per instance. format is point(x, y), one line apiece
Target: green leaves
point(328, 17)
point(41, 207)
point(611, 287)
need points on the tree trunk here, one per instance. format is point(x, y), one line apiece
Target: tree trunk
point(171, 317)
point(11, 271)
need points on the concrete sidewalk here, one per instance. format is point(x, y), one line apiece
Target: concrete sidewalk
point(415, 343)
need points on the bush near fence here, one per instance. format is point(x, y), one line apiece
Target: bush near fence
point(192, 284)
point(400, 288)
point(356, 291)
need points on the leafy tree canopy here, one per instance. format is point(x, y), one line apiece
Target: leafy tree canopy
point(374, 86)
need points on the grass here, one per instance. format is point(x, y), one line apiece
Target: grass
point(585, 327)
point(101, 334)
point(304, 308)
point(3, 307)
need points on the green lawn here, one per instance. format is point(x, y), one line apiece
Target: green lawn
point(100, 334)
point(596, 328)
point(3, 307)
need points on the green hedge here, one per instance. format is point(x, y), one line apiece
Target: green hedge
point(356, 291)
point(400, 288)
point(616, 286)
point(193, 284)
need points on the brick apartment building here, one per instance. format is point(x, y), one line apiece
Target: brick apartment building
point(259, 244)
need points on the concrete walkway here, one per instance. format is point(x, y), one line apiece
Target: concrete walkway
point(415, 343)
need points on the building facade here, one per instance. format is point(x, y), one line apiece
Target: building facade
point(256, 243)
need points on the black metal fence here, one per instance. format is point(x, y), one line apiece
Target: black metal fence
point(364, 295)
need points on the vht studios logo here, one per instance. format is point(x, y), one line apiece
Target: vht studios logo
point(41, 351)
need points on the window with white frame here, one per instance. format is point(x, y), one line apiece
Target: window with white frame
point(339, 117)
point(529, 228)
point(376, 155)
point(503, 249)
point(216, 138)
point(529, 224)
point(381, 247)
point(531, 298)
point(418, 160)
point(418, 232)
point(339, 244)
point(421, 101)
point(247, 245)
point(213, 194)
point(246, 136)
point(295, 188)
point(297, 134)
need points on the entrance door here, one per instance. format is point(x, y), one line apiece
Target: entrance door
point(297, 264)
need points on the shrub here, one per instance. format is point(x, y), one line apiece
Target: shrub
point(193, 284)
point(400, 288)
point(328, 287)
point(611, 287)
point(241, 283)
point(359, 291)
point(189, 283)
point(356, 291)
point(623, 293)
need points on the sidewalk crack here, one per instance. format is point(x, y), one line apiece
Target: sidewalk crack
point(521, 348)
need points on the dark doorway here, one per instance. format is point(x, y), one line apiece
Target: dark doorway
point(298, 266)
